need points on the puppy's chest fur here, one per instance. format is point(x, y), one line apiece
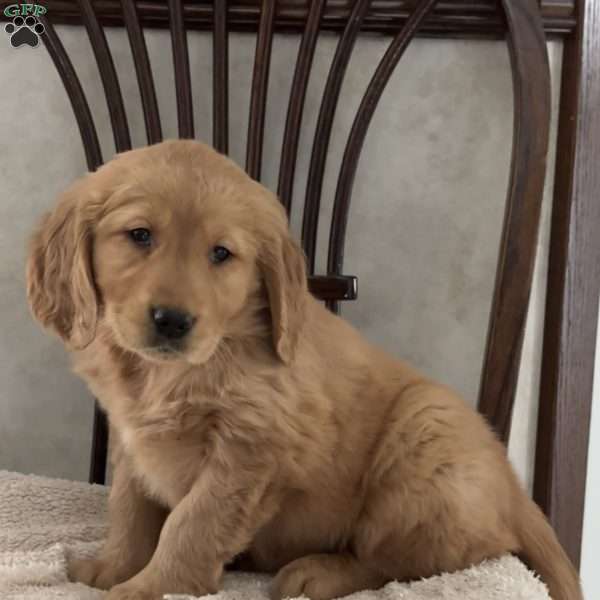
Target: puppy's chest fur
point(167, 446)
point(171, 419)
point(165, 467)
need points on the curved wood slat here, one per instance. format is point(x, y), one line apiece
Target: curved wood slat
point(76, 95)
point(181, 64)
point(143, 72)
point(108, 75)
point(343, 193)
point(331, 94)
point(93, 156)
point(220, 78)
point(531, 83)
point(258, 98)
point(291, 136)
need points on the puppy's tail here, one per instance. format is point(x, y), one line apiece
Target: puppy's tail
point(542, 552)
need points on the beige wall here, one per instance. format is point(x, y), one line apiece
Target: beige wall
point(423, 233)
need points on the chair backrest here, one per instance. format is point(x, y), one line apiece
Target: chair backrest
point(530, 140)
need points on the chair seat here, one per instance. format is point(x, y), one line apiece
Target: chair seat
point(43, 522)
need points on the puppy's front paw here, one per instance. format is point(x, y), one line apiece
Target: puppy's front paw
point(130, 591)
point(323, 577)
point(97, 573)
point(149, 586)
point(85, 571)
point(301, 578)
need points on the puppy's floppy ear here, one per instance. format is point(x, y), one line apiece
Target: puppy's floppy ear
point(284, 271)
point(60, 284)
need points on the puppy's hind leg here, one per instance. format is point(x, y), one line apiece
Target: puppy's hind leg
point(438, 491)
point(324, 577)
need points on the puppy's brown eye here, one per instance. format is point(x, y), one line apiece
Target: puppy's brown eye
point(219, 254)
point(141, 236)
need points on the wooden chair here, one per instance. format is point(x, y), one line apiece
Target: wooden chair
point(574, 277)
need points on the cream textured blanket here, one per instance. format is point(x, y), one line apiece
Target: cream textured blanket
point(45, 521)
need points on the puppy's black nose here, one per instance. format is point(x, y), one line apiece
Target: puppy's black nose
point(171, 323)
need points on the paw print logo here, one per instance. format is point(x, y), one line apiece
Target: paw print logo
point(24, 31)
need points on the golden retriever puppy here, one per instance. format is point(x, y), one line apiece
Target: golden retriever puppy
point(249, 419)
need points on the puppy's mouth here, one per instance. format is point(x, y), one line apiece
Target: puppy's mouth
point(161, 351)
point(164, 350)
